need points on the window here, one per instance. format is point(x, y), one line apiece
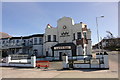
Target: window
point(28, 42)
point(24, 42)
point(54, 37)
point(45, 38)
point(85, 36)
point(85, 26)
point(46, 53)
point(40, 40)
point(49, 38)
point(79, 35)
point(31, 41)
point(17, 41)
point(6, 41)
point(13, 41)
point(3, 42)
point(73, 36)
point(35, 52)
point(35, 40)
point(10, 41)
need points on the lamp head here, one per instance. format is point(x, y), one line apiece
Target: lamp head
point(102, 16)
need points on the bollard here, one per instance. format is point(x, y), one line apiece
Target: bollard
point(33, 61)
point(65, 61)
point(106, 60)
point(8, 59)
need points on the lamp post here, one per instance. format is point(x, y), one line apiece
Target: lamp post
point(98, 31)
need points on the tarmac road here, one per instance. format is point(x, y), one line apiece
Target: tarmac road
point(55, 72)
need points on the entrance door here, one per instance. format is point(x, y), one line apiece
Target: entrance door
point(60, 55)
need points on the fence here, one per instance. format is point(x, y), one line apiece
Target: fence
point(18, 57)
point(57, 58)
point(20, 62)
point(100, 62)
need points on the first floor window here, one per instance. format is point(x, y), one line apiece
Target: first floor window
point(31, 41)
point(79, 35)
point(45, 38)
point(35, 40)
point(49, 38)
point(40, 40)
point(73, 36)
point(54, 37)
point(17, 41)
point(13, 41)
point(85, 36)
point(3, 42)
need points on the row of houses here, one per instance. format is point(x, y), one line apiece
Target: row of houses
point(66, 38)
point(110, 44)
point(22, 45)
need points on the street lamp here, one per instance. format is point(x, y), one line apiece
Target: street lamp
point(98, 31)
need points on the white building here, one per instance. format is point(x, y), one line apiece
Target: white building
point(32, 44)
point(68, 37)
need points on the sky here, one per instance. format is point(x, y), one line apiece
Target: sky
point(26, 18)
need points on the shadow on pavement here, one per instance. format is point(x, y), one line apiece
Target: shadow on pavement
point(84, 70)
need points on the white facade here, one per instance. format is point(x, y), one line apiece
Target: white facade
point(69, 38)
point(67, 32)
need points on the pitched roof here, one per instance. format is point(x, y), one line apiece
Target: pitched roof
point(4, 35)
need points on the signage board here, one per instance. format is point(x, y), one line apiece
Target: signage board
point(94, 61)
point(62, 47)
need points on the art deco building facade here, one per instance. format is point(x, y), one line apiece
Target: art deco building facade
point(67, 38)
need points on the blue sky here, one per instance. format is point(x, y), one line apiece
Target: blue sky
point(25, 18)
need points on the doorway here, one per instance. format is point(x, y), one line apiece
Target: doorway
point(60, 56)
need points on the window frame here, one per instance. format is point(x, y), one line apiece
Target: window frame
point(85, 35)
point(79, 34)
point(54, 38)
point(73, 36)
point(40, 40)
point(35, 40)
point(49, 38)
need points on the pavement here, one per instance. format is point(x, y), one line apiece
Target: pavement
point(54, 71)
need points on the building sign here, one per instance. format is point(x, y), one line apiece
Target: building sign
point(62, 47)
point(94, 61)
point(64, 34)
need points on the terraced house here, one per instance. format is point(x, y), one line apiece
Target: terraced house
point(72, 39)
point(28, 45)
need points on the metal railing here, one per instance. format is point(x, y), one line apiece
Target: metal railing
point(18, 57)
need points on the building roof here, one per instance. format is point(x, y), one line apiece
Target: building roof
point(26, 37)
point(4, 35)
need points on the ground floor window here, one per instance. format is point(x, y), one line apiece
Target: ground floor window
point(35, 52)
point(46, 53)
